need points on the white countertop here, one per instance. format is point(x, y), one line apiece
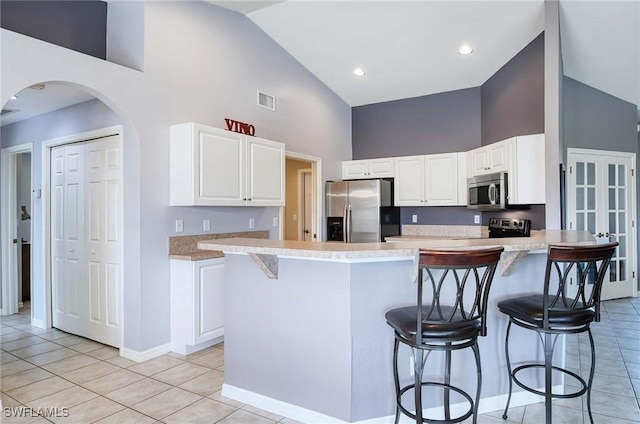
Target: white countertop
point(343, 251)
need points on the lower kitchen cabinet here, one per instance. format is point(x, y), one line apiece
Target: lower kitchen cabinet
point(197, 304)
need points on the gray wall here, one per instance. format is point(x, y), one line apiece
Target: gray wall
point(77, 25)
point(513, 98)
point(439, 123)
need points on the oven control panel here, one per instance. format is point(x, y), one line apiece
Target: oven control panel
point(509, 227)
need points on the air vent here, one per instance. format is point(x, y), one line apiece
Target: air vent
point(266, 101)
point(6, 112)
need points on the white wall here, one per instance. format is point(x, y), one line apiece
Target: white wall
point(202, 63)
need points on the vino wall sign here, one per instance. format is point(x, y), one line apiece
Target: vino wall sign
point(240, 127)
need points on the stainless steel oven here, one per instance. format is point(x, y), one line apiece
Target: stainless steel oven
point(487, 192)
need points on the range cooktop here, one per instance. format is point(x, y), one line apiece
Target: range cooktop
point(509, 227)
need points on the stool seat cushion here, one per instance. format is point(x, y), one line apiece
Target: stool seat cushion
point(530, 310)
point(403, 321)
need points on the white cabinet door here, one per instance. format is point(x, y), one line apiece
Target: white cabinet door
point(220, 176)
point(441, 184)
point(369, 168)
point(354, 169)
point(208, 308)
point(265, 173)
point(409, 181)
point(490, 159)
point(479, 161)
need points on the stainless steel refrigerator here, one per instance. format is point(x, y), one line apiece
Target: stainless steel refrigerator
point(361, 211)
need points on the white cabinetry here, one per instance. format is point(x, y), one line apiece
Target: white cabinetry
point(214, 167)
point(428, 180)
point(197, 304)
point(369, 168)
point(490, 159)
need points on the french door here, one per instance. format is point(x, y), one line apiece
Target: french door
point(601, 200)
point(86, 238)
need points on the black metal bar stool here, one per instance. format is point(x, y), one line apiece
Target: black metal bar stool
point(556, 312)
point(450, 314)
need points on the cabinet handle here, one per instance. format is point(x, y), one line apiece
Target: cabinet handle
point(244, 198)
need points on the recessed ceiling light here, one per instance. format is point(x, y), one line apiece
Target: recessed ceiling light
point(465, 49)
point(359, 72)
point(14, 97)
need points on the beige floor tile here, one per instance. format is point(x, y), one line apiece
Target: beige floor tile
point(127, 416)
point(53, 356)
point(69, 364)
point(205, 384)
point(36, 349)
point(90, 411)
point(156, 365)
point(166, 403)
point(122, 362)
point(54, 335)
point(5, 329)
point(203, 411)
point(104, 353)
point(23, 378)
point(218, 396)
point(39, 389)
point(86, 346)
point(22, 343)
point(112, 381)
point(90, 372)
point(244, 417)
point(20, 415)
point(64, 399)
point(70, 340)
point(137, 392)
point(213, 359)
point(262, 413)
point(8, 400)
point(12, 337)
point(180, 374)
point(14, 367)
point(289, 421)
point(6, 357)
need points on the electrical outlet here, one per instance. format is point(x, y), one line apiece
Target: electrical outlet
point(476, 219)
point(414, 218)
point(275, 221)
point(252, 223)
point(295, 217)
point(179, 225)
point(206, 225)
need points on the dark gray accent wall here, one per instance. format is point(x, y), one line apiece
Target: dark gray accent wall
point(76, 25)
point(513, 98)
point(438, 215)
point(597, 120)
point(438, 123)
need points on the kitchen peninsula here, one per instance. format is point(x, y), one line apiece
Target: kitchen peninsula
point(305, 334)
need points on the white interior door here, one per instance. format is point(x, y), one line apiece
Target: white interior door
point(307, 206)
point(601, 200)
point(86, 238)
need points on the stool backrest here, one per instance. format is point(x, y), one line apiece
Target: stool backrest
point(589, 266)
point(463, 277)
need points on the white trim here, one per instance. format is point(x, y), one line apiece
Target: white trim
point(47, 145)
point(9, 215)
point(573, 150)
point(301, 173)
point(318, 198)
point(298, 413)
point(145, 355)
point(36, 322)
point(184, 349)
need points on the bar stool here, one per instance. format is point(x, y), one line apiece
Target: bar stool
point(556, 312)
point(444, 323)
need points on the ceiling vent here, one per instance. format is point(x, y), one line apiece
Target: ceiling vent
point(266, 101)
point(6, 112)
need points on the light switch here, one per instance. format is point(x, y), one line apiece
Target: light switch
point(294, 217)
point(179, 225)
point(275, 221)
point(206, 225)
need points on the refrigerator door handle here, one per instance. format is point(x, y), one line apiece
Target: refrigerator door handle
point(349, 234)
point(345, 228)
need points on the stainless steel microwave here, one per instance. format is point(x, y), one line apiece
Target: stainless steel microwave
point(487, 192)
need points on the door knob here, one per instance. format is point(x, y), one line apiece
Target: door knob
point(307, 231)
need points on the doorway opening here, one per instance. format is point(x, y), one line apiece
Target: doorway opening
point(302, 215)
point(16, 192)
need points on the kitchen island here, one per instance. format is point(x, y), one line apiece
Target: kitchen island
point(305, 334)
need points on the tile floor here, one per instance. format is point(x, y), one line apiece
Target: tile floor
point(41, 369)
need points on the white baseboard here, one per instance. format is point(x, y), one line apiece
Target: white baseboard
point(136, 356)
point(38, 323)
point(183, 349)
point(303, 415)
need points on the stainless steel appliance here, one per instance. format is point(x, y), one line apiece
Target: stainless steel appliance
point(487, 192)
point(361, 211)
point(509, 227)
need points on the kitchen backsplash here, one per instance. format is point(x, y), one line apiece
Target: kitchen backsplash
point(471, 231)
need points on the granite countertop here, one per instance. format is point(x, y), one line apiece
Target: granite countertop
point(539, 240)
point(186, 247)
point(428, 237)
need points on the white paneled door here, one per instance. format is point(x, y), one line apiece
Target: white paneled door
point(86, 205)
point(601, 200)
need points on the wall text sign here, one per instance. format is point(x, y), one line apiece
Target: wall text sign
point(240, 127)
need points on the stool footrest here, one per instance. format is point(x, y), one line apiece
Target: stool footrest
point(443, 386)
point(580, 392)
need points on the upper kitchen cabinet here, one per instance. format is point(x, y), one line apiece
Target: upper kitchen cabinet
point(490, 159)
point(214, 167)
point(429, 180)
point(369, 168)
